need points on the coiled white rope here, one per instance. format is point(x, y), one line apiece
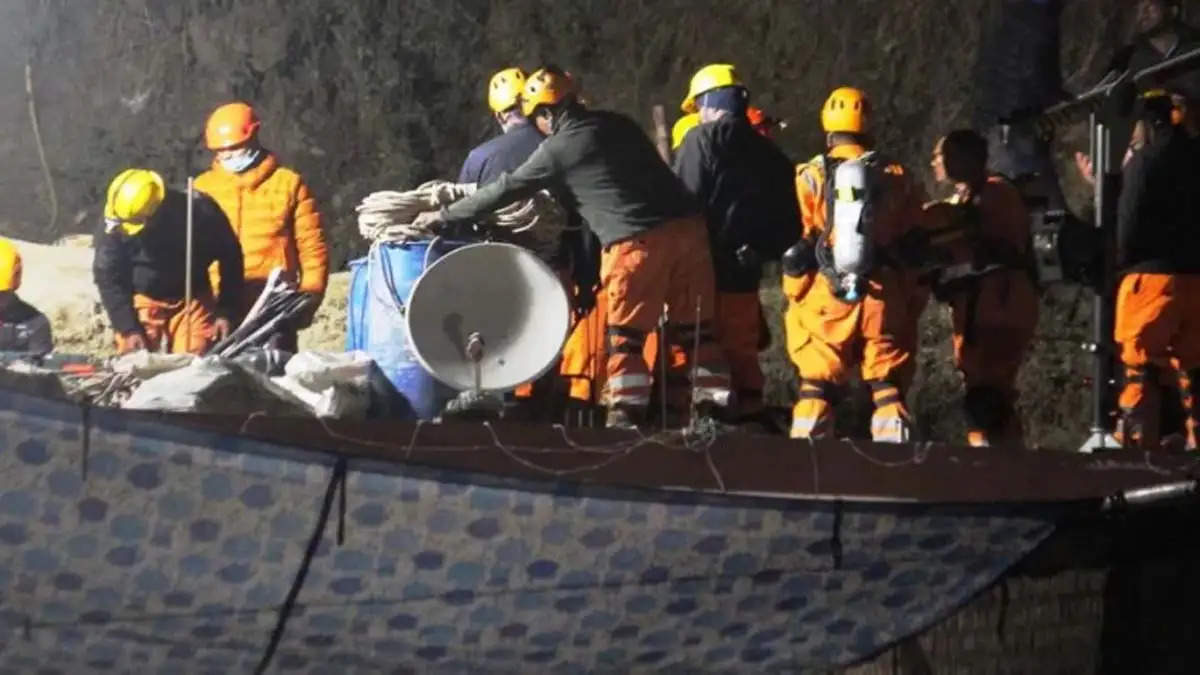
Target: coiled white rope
point(536, 223)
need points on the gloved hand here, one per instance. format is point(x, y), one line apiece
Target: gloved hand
point(430, 220)
point(800, 259)
point(221, 328)
point(748, 258)
point(305, 317)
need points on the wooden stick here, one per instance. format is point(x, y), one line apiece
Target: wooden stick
point(661, 139)
point(41, 148)
point(187, 267)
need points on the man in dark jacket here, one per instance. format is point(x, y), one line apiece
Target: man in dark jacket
point(602, 166)
point(1158, 263)
point(140, 261)
point(517, 140)
point(23, 329)
point(745, 185)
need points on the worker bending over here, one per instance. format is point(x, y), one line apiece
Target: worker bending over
point(982, 236)
point(602, 165)
point(271, 210)
point(140, 264)
point(744, 184)
point(23, 328)
point(848, 300)
point(1158, 264)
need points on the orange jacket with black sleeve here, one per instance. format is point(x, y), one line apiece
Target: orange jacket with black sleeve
point(275, 217)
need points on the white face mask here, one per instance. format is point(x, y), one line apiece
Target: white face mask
point(240, 160)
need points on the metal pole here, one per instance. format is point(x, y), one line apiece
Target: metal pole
point(187, 269)
point(1104, 198)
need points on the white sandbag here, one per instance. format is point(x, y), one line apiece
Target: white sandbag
point(332, 384)
point(217, 386)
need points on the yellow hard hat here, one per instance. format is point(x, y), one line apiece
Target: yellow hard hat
point(10, 266)
point(712, 76)
point(846, 110)
point(682, 126)
point(504, 90)
point(133, 197)
point(545, 87)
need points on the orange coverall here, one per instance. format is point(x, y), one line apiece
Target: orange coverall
point(187, 330)
point(993, 304)
point(276, 220)
point(826, 336)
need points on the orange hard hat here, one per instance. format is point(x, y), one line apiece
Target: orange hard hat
point(231, 125)
point(846, 110)
point(545, 87)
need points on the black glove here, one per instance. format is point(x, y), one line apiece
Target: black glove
point(748, 258)
point(305, 316)
point(800, 259)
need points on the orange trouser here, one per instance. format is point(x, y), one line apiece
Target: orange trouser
point(827, 336)
point(739, 329)
point(583, 355)
point(188, 330)
point(666, 265)
point(1158, 328)
point(994, 318)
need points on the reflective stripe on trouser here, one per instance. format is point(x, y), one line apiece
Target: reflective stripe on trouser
point(738, 329)
point(812, 416)
point(826, 337)
point(630, 386)
point(665, 265)
point(1139, 402)
point(186, 330)
point(1158, 328)
point(890, 423)
point(707, 375)
point(1189, 390)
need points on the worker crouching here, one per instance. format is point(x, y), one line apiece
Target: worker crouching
point(655, 246)
point(979, 242)
point(1158, 260)
point(140, 261)
point(23, 328)
point(847, 297)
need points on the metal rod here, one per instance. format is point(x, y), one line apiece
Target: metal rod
point(187, 269)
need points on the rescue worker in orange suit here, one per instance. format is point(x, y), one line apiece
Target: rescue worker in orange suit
point(848, 302)
point(981, 235)
point(140, 263)
point(1158, 263)
point(745, 185)
point(603, 166)
point(577, 260)
point(23, 328)
point(272, 211)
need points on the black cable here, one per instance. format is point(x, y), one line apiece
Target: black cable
point(341, 525)
point(285, 611)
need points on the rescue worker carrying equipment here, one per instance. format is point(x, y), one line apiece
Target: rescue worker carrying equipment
point(744, 185)
point(140, 262)
point(273, 214)
point(603, 166)
point(22, 328)
point(1158, 263)
point(848, 301)
point(981, 235)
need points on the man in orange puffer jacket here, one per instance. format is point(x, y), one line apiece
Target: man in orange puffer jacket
point(271, 210)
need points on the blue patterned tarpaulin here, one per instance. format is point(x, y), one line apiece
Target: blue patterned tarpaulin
point(172, 550)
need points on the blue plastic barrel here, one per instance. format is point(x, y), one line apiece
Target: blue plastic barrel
point(379, 288)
